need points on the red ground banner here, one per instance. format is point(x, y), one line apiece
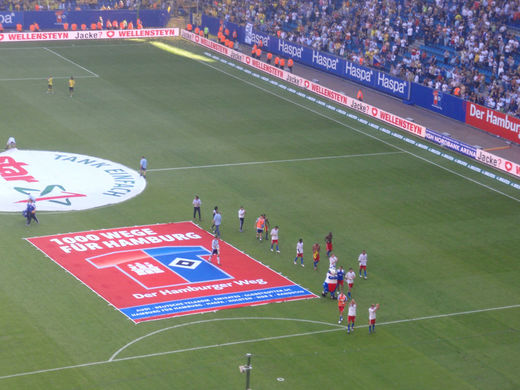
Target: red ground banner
point(160, 271)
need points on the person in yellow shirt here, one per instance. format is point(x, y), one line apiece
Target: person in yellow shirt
point(49, 85)
point(72, 83)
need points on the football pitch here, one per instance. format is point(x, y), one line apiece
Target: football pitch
point(441, 238)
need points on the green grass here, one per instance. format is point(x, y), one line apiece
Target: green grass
point(438, 242)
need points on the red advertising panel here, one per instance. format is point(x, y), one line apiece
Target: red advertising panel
point(494, 122)
point(166, 270)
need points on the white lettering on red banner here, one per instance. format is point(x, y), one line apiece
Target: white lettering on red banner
point(88, 35)
point(492, 121)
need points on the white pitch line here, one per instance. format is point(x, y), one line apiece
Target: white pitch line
point(72, 62)
point(361, 131)
point(113, 357)
point(45, 78)
point(338, 328)
point(274, 161)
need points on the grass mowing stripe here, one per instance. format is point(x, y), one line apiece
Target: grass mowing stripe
point(273, 161)
point(362, 132)
point(112, 359)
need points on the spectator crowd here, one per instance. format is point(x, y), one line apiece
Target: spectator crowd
point(470, 49)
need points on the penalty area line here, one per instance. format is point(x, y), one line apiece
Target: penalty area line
point(70, 61)
point(336, 329)
point(274, 161)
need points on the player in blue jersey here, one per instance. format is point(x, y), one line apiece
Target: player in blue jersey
point(340, 274)
point(143, 164)
point(30, 212)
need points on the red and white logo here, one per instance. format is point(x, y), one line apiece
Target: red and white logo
point(306, 83)
point(110, 33)
point(374, 111)
point(63, 181)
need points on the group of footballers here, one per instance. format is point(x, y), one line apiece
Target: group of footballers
point(50, 85)
point(334, 283)
point(334, 280)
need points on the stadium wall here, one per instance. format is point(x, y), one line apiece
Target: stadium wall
point(54, 20)
point(411, 93)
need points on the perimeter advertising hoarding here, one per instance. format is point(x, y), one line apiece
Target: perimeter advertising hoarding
point(89, 35)
point(160, 271)
point(493, 122)
point(498, 162)
point(9, 19)
point(439, 102)
point(450, 143)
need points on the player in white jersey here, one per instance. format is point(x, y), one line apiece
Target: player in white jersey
point(241, 217)
point(274, 239)
point(215, 249)
point(196, 206)
point(362, 260)
point(11, 143)
point(333, 260)
point(299, 252)
point(372, 317)
point(350, 276)
point(351, 318)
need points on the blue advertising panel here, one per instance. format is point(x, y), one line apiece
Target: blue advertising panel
point(450, 143)
point(323, 61)
point(11, 19)
point(437, 101)
point(54, 20)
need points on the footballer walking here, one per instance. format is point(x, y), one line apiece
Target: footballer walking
point(351, 319)
point(351, 275)
point(299, 252)
point(215, 249)
point(372, 318)
point(342, 301)
point(362, 260)
point(274, 239)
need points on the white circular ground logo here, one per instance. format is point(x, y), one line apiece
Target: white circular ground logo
point(63, 181)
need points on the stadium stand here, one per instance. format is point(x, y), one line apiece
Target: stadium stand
point(467, 48)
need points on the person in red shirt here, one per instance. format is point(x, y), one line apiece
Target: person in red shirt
point(328, 243)
point(342, 301)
